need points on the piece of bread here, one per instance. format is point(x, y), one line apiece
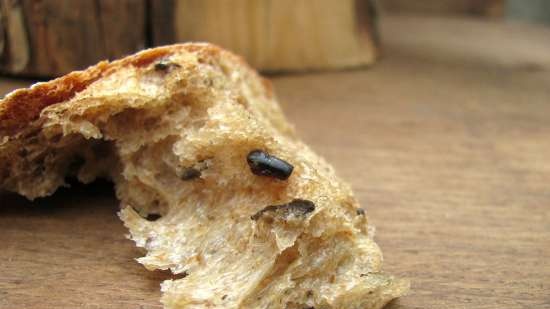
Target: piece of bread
point(212, 180)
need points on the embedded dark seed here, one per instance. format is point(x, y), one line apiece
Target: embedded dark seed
point(297, 207)
point(161, 66)
point(257, 215)
point(190, 173)
point(194, 171)
point(180, 275)
point(263, 164)
point(149, 217)
point(301, 207)
point(152, 217)
point(164, 65)
point(224, 297)
point(360, 212)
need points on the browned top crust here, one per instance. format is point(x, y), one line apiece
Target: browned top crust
point(24, 105)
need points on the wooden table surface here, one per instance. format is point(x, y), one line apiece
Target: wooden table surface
point(446, 142)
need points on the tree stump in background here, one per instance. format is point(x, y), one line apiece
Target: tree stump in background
point(53, 37)
point(275, 35)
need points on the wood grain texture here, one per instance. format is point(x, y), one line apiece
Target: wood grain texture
point(445, 141)
point(55, 37)
point(275, 35)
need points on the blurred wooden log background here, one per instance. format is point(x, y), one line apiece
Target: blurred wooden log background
point(45, 38)
point(275, 35)
point(52, 37)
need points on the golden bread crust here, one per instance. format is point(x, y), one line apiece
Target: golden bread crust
point(21, 106)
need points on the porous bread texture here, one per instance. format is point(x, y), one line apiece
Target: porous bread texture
point(144, 123)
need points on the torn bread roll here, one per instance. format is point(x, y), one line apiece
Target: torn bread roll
point(212, 180)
